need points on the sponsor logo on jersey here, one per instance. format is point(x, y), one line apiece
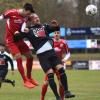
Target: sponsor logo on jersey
point(2, 61)
point(18, 21)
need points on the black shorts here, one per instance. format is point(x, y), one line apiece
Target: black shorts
point(3, 73)
point(48, 60)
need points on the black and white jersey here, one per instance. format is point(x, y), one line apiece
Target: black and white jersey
point(38, 35)
point(4, 59)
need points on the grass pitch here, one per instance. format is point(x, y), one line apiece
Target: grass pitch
point(84, 84)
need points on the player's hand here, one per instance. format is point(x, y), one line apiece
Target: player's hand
point(17, 32)
point(54, 23)
point(63, 61)
point(26, 30)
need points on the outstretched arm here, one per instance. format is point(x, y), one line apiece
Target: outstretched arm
point(19, 35)
point(8, 14)
point(11, 62)
point(54, 26)
point(1, 17)
point(66, 50)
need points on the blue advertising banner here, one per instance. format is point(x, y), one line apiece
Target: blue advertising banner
point(77, 43)
point(95, 30)
point(78, 31)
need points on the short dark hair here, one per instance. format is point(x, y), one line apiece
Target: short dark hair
point(1, 44)
point(28, 6)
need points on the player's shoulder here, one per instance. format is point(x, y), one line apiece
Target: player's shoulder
point(12, 10)
point(63, 41)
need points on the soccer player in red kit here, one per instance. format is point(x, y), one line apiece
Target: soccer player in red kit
point(60, 47)
point(15, 19)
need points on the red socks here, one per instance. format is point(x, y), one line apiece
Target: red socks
point(61, 92)
point(29, 66)
point(44, 90)
point(20, 67)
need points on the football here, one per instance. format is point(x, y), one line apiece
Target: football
point(91, 10)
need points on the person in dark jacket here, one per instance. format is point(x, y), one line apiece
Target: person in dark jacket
point(4, 59)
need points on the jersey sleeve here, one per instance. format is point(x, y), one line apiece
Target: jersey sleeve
point(11, 62)
point(66, 48)
point(23, 27)
point(9, 13)
point(20, 36)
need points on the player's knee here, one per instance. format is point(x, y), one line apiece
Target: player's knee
point(49, 71)
point(51, 80)
point(59, 66)
point(50, 76)
point(17, 56)
point(29, 54)
point(46, 82)
point(61, 71)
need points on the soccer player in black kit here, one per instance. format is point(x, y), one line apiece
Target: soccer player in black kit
point(37, 34)
point(4, 59)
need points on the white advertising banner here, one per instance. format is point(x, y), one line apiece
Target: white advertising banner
point(94, 65)
point(91, 43)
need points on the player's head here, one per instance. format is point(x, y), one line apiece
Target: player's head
point(2, 48)
point(57, 35)
point(28, 9)
point(35, 19)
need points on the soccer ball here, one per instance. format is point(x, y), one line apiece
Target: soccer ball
point(91, 10)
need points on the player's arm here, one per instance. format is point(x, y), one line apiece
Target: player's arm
point(66, 50)
point(24, 28)
point(1, 17)
point(21, 33)
point(54, 26)
point(11, 62)
point(8, 14)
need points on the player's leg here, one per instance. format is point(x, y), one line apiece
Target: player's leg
point(29, 61)
point(64, 82)
point(13, 48)
point(16, 55)
point(44, 87)
point(43, 58)
point(0, 82)
point(63, 77)
point(52, 83)
point(29, 64)
point(61, 89)
point(1, 71)
point(12, 82)
point(4, 73)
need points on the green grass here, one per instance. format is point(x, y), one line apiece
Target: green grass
point(85, 84)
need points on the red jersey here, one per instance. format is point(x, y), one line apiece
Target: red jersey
point(60, 47)
point(13, 23)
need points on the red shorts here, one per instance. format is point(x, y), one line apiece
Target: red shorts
point(19, 47)
point(57, 74)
